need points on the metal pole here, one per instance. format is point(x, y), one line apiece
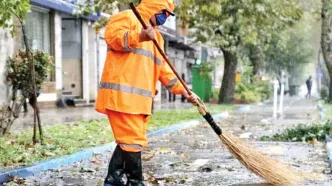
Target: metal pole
point(319, 85)
point(275, 99)
point(282, 91)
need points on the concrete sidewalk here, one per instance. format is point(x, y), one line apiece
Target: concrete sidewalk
point(197, 157)
point(259, 121)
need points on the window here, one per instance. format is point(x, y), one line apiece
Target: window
point(38, 30)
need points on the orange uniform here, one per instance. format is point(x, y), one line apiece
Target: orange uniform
point(130, 75)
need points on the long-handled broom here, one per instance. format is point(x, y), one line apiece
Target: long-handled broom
point(262, 165)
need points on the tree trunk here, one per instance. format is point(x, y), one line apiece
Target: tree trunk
point(39, 126)
point(330, 90)
point(227, 88)
point(32, 70)
point(256, 56)
point(34, 105)
point(326, 40)
point(25, 38)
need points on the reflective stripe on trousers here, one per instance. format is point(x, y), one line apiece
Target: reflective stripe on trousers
point(137, 147)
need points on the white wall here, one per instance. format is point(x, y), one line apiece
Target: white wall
point(86, 64)
point(6, 50)
point(58, 52)
point(92, 62)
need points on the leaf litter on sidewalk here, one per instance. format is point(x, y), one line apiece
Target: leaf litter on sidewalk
point(17, 148)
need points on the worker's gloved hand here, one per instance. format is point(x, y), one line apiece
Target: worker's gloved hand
point(193, 98)
point(147, 34)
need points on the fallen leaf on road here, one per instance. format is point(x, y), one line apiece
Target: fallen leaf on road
point(312, 142)
point(100, 183)
point(20, 181)
point(96, 161)
point(147, 158)
point(148, 151)
point(165, 150)
point(15, 180)
point(230, 169)
point(85, 169)
point(46, 153)
point(186, 155)
point(163, 180)
point(206, 169)
point(11, 178)
point(176, 164)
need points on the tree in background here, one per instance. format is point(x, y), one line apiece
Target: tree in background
point(8, 8)
point(326, 40)
point(102, 6)
point(294, 48)
point(287, 51)
point(229, 24)
point(26, 70)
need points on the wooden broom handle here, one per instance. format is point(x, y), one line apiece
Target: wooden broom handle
point(139, 17)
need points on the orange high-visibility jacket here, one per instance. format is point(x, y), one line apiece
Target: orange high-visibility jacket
point(132, 69)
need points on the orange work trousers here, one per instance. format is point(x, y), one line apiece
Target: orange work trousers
point(129, 130)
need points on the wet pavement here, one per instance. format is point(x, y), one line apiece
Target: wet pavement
point(68, 115)
point(197, 157)
point(259, 121)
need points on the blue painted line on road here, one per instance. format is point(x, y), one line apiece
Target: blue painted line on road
point(56, 163)
point(244, 109)
point(184, 125)
point(328, 146)
point(35, 169)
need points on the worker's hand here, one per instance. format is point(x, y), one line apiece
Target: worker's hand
point(193, 98)
point(147, 34)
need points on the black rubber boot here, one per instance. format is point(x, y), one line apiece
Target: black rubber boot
point(133, 168)
point(115, 175)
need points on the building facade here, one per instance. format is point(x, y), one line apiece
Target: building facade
point(80, 52)
point(52, 27)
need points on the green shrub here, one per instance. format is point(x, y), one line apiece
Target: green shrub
point(263, 87)
point(324, 93)
point(215, 93)
point(241, 88)
point(302, 133)
point(250, 96)
point(254, 92)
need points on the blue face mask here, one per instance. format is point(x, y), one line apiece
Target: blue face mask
point(161, 18)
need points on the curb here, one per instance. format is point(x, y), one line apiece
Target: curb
point(185, 125)
point(328, 141)
point(321, 111)
point(244, 108)
point(328, 146)
point(56, 163)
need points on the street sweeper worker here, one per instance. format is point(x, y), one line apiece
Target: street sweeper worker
point(131, 71)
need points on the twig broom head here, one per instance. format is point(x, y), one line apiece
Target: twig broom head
point(271, 170)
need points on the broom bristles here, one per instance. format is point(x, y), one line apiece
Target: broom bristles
point(271, 170)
